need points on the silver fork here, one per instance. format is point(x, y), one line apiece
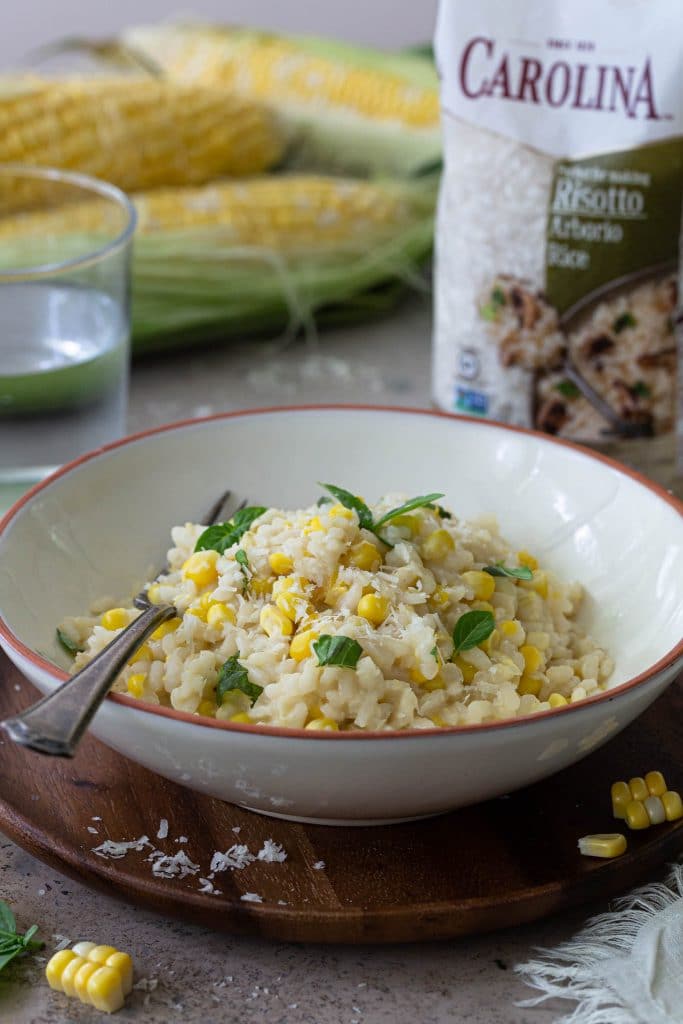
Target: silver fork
point(56, 724)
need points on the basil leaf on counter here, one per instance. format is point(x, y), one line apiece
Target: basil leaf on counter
point(12, 943)
point(472, 629)
point(498, 569)
point(340, 651)
point(234, 676)
point(222, 536)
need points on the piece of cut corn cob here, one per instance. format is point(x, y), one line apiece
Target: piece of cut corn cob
point(99, 975)
point(611, 844)
point(286, 213)
point(355, 108)
point(137, 132)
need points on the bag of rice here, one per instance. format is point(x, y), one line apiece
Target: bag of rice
point(559, 221)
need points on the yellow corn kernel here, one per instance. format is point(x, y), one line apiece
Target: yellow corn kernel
point(207, 708)
point(437, 683)
point(335, 593)
point(314, 525)
point(123, 965)
point(201, 609)
point(655, 810)
point(326, 724)
point(154, 593)
point(300, 647)
point(529, 685)
point(339, 511)
point(373, 608)
point(482, 583)
point(105, 991)
point(274, 622)
point(219, 612)
point(69, 972)
point(509, 627)
point(540, 584)
point(440, 598)
point(556, 700)
point(200, 568)
point(611, 844)
point(673, 806)
point(142, 654)
point(261, 587)
point(55, 968)
point(136, 684)
point(81, 979)
point(482, 606)
point(491, 641)
point(524, 558)
point(165, 628)
point(636, 815)
point(293, 606)
point(241, 717)
point(115, 618)
point(437, 545)
point(621, 795)
point(468, 671)
point(656, 785)
point(416, 676)
point(364, 555)
point(532, 658)
point(280, 563)
point(409, 521)
point(639, 790)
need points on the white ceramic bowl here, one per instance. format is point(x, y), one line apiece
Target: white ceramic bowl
point(101, 524)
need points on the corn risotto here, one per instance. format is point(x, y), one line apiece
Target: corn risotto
point(344, 616)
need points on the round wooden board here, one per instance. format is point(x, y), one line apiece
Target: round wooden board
point(495, 865)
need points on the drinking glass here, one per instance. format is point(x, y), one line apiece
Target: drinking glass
point(65, 247)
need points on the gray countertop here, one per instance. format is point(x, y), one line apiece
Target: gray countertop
point(195, 975)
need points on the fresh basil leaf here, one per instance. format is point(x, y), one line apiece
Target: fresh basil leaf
point(222, 536)
point(435, 652)
point(472, 629)
point(341, 651)
point(640, 389)
point(441, 512)
point(498, 297)
point(324, 500)
point(69, 645)
point(522, 573)
point(243, 562)
point(421, 501)
point(489, 311)
point(5, 958)
point(7, 921)
point(623, 321)
point(234, 676)
point(349, 500)
point(567, 388)
point(28, 936)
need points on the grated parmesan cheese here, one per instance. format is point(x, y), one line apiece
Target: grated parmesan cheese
point(251, 897)
point(177, 866)
point(319, 865)
point(163, 829)
point(237, 857)
point(110, 848)
point(207, 886)
point(271, 852)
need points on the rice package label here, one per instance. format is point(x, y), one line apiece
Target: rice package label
point(559, 222)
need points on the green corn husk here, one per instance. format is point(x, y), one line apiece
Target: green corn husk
point(340, 124)
point(196, 284)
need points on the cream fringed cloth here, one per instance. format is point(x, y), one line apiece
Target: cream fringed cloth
point(625, 966)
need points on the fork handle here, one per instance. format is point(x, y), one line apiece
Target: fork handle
point(55, 724)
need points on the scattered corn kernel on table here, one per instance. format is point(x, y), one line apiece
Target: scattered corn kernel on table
point(189, 973)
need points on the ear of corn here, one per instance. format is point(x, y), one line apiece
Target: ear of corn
point(354, 110)
point(260, 254)
point(136, 132)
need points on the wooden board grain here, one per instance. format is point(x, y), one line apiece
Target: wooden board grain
point(495, 865)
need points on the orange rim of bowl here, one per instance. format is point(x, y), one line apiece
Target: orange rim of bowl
point(667, 661)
